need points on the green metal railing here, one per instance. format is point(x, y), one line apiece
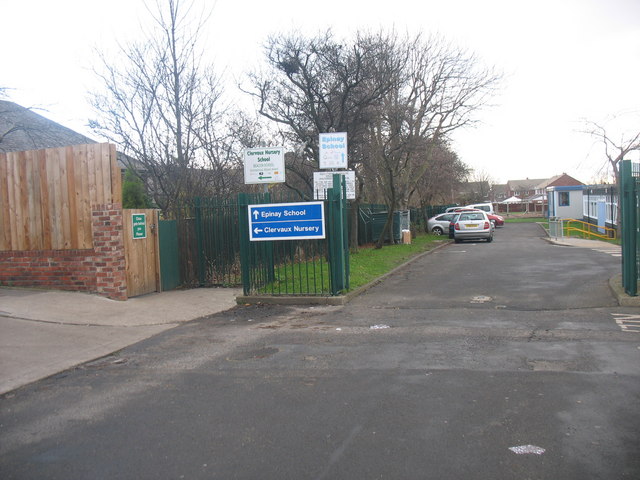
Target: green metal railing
point(630, 220)
point(297, 267)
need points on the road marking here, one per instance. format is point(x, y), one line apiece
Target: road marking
point(481, 299)
point(627, 322)
point(613, 253)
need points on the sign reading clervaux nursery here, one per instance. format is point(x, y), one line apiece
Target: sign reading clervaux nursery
point(286, 221)
point(264, 165)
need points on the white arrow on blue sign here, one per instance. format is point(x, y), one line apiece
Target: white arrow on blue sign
point(286, 221)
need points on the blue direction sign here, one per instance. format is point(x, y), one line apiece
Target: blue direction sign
point(286, 221)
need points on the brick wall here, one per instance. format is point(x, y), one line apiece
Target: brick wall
point(108, 244)
point(98, 270)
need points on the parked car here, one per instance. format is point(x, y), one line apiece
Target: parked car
point(452, 225)
point(486, 207)
point(472, 226)
point(439, 224)
point(497, 220)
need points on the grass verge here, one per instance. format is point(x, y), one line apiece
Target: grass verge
point(525, 219)
point(369, 263)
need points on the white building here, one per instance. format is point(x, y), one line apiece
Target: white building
point(565, 201)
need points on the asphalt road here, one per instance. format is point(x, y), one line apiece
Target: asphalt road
point(489, 347)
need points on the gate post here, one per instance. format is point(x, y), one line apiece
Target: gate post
point(338, 239)
point(629, 226)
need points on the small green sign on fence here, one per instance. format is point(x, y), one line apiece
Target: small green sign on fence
point(139, 225)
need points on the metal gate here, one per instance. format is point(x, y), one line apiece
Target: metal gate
point(168, 245)
point(208, 242)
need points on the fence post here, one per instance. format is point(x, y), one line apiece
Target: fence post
point(628, 207)
point(243, 232)
point(199, 239)
point(345, 234)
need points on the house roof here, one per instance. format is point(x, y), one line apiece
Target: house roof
point(562, 180)
point(499, 188)
point(526, 184)
point(23, 129)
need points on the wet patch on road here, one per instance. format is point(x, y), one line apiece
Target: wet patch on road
point(257, 354)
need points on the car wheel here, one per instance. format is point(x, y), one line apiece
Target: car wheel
point(436, 231)
point(457, 240)
point(490, 239)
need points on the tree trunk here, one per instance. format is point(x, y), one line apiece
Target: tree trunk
point(388, 225)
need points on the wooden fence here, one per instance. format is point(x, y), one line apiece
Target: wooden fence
point(46, 196)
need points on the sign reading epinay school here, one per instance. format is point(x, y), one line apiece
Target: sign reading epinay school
point(324, 180)
point(286, 221)
point(333, 150)
point(264, 165)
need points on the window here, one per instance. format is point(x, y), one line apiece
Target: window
point(563, 200)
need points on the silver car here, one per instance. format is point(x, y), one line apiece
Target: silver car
point(472, 226)
point(439, 224)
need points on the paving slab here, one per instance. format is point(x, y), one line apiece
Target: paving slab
point(45, 332)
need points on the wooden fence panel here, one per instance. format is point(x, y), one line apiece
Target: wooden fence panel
point(46, 196)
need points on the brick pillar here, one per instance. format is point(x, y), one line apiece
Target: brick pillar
point(108, 243)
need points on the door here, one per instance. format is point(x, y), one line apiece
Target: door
point(141, 251)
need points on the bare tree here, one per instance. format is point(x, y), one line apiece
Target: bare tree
point(163, 107)
point(321, 84)
point(438, 92)
point(478, 188)
point(441, 181)
point(614, 150)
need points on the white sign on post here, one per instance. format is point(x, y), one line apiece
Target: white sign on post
point(333, 150)
point(264, 165)
point(324, 180)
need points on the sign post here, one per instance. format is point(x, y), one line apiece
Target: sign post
point(286, 221)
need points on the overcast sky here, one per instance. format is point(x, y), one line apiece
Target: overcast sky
point(563, 60)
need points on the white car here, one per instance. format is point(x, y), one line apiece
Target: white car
point(487, 207)
point(473, 226)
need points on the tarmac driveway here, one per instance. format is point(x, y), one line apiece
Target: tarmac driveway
point(450, 369)
point(517, 270)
